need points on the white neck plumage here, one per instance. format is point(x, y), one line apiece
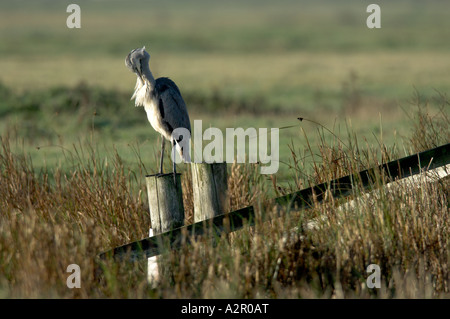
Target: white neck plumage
point(144, 84)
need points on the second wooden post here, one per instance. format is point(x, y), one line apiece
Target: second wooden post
point(209, 187)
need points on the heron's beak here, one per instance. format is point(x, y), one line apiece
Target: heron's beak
point(137, 71)
point(139, 74)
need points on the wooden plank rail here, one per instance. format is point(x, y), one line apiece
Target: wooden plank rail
point(397, 169)
point(156, 245)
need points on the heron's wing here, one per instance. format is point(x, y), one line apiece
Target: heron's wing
point(171, 104)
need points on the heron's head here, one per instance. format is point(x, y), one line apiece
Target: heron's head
point(136, 60)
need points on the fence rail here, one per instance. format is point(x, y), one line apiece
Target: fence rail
point(397, 169)
point(153, 246)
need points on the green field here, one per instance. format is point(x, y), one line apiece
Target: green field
point(65, 93)
point(236, 64)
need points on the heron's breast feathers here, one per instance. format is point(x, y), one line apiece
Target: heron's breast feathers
point(141, 94)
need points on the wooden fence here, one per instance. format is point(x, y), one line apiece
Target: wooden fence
point(217, 224)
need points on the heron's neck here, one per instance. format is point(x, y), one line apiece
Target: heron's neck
point(148, 76)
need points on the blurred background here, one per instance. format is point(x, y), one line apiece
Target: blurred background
point(237, 63)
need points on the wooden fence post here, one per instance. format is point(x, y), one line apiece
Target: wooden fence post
point(210, 190)
point(166, 213)
point(165, 202)
point(152, 267)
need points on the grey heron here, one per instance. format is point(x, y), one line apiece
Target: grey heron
point(162, 101)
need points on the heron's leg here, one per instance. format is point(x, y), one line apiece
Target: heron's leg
point(174, 167)
point(174, 175)
point(162, 155)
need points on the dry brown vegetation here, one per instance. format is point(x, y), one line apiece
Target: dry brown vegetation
point(50, 219)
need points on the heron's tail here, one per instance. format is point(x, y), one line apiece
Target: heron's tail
point(184, 153)
point(181, 142)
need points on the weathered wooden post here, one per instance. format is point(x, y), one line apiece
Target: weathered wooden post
point(165, 202)
point(210, 190)
point(152, 267)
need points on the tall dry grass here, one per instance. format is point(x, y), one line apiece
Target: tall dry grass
point(50, 219)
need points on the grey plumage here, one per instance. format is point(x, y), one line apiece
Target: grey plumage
point(170, 104)
point(162, 100)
